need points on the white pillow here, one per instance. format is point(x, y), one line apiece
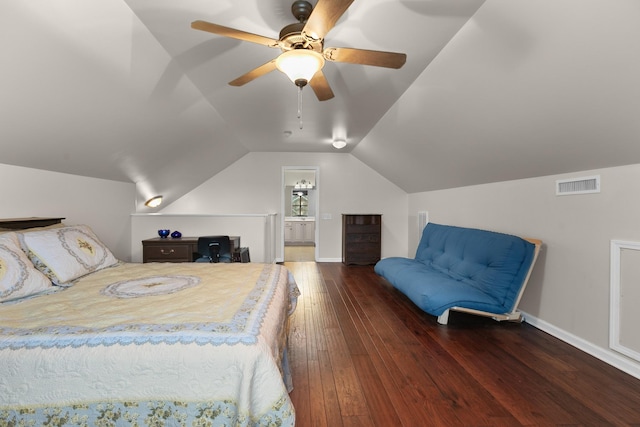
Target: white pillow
point(67, 253)
point(18, 277)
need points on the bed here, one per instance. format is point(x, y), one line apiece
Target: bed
point(185, 344)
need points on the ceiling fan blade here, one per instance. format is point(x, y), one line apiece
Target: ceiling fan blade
point(320, 86)
point(254, 74)
point(324, 16)
point(365, 57)
point(233, 33)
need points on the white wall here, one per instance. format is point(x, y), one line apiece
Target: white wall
point(569, 290)
point(103, 205)
point(253, 184)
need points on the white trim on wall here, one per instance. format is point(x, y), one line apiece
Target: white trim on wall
point(615, 300)
point(609, 357)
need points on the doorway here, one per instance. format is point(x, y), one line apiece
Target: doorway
point(300, 213)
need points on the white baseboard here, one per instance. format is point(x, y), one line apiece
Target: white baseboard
point(612, 358)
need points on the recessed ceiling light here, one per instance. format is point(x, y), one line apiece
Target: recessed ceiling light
point(339, 143)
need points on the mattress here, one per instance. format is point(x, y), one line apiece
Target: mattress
point(152, 344)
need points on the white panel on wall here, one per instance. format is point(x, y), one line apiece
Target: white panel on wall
point(625, 294)
point(423, 220)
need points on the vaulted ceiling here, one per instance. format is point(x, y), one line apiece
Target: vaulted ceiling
point(492, 90)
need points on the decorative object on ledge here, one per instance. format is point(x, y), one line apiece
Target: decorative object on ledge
point(163, 233)
point(154, 202)
point(176, 234)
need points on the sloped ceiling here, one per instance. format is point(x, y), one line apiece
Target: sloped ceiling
point(492, 90)
point(524, 89)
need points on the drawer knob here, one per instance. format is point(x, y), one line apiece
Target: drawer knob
point(163, 252)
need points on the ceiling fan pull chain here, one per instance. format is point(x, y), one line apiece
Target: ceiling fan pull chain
point(300, 105)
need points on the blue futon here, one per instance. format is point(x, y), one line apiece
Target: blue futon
point(464, 269)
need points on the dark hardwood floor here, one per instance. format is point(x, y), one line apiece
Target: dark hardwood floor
point(363, 355)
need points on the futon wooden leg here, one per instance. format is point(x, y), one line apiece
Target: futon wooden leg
point(443, 319)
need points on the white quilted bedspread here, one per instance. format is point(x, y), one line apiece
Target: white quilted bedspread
point(192, 333)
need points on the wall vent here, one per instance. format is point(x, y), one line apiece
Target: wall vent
point(585, 185)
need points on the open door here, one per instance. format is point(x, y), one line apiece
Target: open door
point(300, 212)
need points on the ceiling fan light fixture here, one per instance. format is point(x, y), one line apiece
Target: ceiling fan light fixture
point(300, 65)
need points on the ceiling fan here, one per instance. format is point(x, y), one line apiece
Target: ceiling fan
point(302, 45)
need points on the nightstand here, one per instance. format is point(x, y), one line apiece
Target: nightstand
point(181, 249)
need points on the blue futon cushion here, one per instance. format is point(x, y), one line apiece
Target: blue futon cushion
point(463, 267)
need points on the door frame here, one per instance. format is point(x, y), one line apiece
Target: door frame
point(316, 202)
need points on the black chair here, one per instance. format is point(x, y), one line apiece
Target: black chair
point(241, 255)
point(214, 249)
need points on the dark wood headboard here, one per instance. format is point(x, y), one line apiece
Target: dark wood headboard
point(24, 223)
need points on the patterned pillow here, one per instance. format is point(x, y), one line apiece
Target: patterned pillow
point(18, 277)
point(67, 253)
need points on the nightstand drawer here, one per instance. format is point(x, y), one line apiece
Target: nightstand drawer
point(175, 253)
